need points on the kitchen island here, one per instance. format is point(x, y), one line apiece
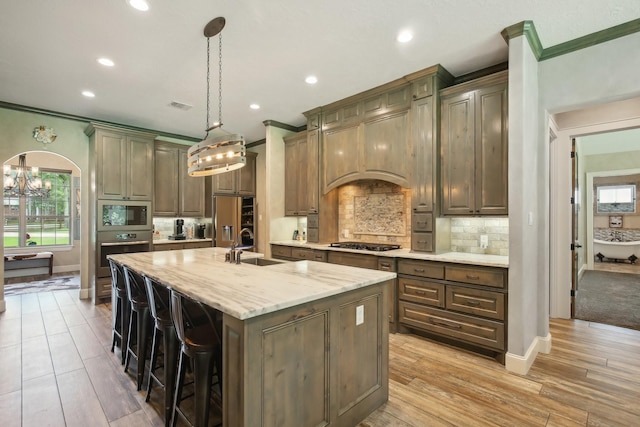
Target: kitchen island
point(304, 343)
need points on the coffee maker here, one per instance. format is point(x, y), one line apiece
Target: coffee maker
point(178, 229)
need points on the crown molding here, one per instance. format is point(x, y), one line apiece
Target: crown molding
point(528, 29)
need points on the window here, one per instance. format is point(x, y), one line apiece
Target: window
point(616, 198)
point(40, 221)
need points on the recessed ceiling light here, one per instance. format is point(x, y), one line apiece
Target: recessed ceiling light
point(88, 94)
point(254, 106)
point(311, 80)
point(106, 62)
point(404, 36)
point(139, 4)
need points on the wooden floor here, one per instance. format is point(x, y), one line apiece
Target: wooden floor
point(618, 267)
point(56, 369)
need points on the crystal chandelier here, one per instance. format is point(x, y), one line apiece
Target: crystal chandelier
point(24, 181)
point(217, 154)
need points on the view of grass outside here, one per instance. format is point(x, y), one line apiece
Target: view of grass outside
point(40, 221)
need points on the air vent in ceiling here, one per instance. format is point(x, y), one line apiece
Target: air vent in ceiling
point(181, 106)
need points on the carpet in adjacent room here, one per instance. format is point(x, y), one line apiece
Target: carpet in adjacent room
point(609, 298)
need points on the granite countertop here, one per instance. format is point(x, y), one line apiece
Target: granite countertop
point(454, 257)
point(245, 291)
point(165, 241)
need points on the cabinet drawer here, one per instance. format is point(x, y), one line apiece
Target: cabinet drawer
point(494, 277)
point(422, 222)
point(308, 254)
point(433, 270)
point(197, 245)
point(421, 291)
point(280, 251)
point(483, 332)
point(312, 221)
point(168, 247)
point(353, 260)
point(386, 264)
point(422, 242)
point(476, 301)
point(313, 235)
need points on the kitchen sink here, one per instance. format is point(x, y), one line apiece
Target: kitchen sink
point(261, 261)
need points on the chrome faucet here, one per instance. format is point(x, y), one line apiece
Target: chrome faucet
point(234, 254)
point(248, 230)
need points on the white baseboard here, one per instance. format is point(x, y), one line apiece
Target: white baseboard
point(85, 293)
point(521, 364)
point(581, 271)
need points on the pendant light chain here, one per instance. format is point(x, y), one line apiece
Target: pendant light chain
point(220, 79)
point(208, 90)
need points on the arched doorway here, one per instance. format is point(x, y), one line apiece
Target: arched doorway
point(36, 225)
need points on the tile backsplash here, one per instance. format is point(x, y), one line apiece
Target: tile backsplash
point(374, 211)
point(466, 232)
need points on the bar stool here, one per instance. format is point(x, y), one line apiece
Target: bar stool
point(159, 302)
point(137, 295)
point(201, 344)
point(120, 309)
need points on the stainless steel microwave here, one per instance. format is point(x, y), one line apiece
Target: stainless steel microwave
point(116, 215)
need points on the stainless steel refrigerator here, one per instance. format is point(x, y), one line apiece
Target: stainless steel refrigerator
point(231, 214)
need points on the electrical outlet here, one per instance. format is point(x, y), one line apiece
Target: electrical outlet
point(359, 315)
point(484, 241)
point(345, 232)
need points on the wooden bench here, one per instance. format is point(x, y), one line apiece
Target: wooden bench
point(28, 261)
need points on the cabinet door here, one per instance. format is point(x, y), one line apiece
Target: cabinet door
point(191, 190)
point(340, 156)
point(422, 199)
point(313, 173)
point(225, 183)
point(387, 150)
point(458, 154)
point(165, 200)
point(246, 179)
point(301, 181)
point(140, 168)
point(111, 150)
point(491, 151)
point(291, 184)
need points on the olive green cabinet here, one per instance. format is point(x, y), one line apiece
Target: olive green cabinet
point(124, 163)
point(239, 182)
point(175, 192)
point(475, 147)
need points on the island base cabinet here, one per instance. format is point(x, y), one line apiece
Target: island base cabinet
point(321, 363)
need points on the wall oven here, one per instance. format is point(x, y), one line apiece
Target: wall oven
point(112, 243)
point(124, 215)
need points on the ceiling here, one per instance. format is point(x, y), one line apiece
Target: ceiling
point(49, 51)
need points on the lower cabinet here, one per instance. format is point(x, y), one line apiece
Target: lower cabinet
point(174, 246)
point(297, 254)
point(459, 303)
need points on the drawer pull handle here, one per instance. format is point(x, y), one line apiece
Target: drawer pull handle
point(445, 325)
point(472, 277)
point(419, 270)
point(318, 256)
point(420, 292)
point(473, 302)
point(385, 264)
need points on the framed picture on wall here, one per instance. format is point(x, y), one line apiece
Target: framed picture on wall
point(615, 221)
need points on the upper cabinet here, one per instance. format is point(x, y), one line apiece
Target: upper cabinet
point(124, 163)
point(367, 139)
point(474, 149)
point(301, 173)
point(176, 193)
point(239, 182)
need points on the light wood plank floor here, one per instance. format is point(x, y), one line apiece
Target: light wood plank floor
point(56, 369)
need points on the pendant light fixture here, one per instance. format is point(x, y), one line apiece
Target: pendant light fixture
point(24, 181)
point(223, 153)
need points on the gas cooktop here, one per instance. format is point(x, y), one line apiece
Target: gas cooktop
point(365, 246)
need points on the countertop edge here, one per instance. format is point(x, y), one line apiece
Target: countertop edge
point(450, 257)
